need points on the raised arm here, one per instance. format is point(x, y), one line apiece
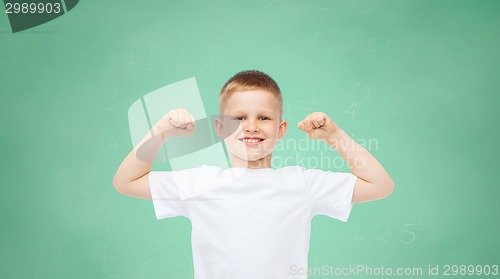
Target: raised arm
point(132, 177)
point(373, 181)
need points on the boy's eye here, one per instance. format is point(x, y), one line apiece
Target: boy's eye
point(243, 118)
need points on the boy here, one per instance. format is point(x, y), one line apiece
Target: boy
point(252, 221)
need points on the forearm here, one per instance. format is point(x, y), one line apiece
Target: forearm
point(140, 160)
point(359, 160)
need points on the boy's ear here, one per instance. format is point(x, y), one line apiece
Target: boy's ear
point(282, 129)
point(219, 128)
point(225, 126)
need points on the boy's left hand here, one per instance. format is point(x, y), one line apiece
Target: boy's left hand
point(318, 126)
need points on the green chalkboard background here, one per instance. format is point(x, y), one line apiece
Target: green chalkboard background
point(417, 80)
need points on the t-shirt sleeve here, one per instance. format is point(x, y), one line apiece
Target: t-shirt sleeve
point(165, 194)
point(331, 192)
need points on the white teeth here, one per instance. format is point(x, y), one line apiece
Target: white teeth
point(251, 140)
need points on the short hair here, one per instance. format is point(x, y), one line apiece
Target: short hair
point(250, 80)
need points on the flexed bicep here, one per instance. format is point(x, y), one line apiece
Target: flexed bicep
point(365, 191)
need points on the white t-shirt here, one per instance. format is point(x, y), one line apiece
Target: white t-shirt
point(251, 223)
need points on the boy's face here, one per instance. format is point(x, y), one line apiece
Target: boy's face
point(257, 127)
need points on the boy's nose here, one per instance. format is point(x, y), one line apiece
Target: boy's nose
point(250, 127)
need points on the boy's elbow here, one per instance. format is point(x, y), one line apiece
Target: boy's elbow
point(388, 188)
point(119, 185)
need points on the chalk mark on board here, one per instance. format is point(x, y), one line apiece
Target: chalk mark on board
point(315, 39)
point(359, 94)
point(357, 7)
point(388, 46)
point(314, 100)
point(412, 233)
point(104, 261)
point(386, 229)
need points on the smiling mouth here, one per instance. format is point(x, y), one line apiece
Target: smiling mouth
point(251, 141)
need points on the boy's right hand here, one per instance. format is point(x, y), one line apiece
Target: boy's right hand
point(177, 122)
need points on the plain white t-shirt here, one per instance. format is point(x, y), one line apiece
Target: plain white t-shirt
point(251, 223)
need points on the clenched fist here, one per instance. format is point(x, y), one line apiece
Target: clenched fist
point(177, 122)
point(318, 126)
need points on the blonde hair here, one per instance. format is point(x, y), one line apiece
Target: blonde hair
point(250, 80)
